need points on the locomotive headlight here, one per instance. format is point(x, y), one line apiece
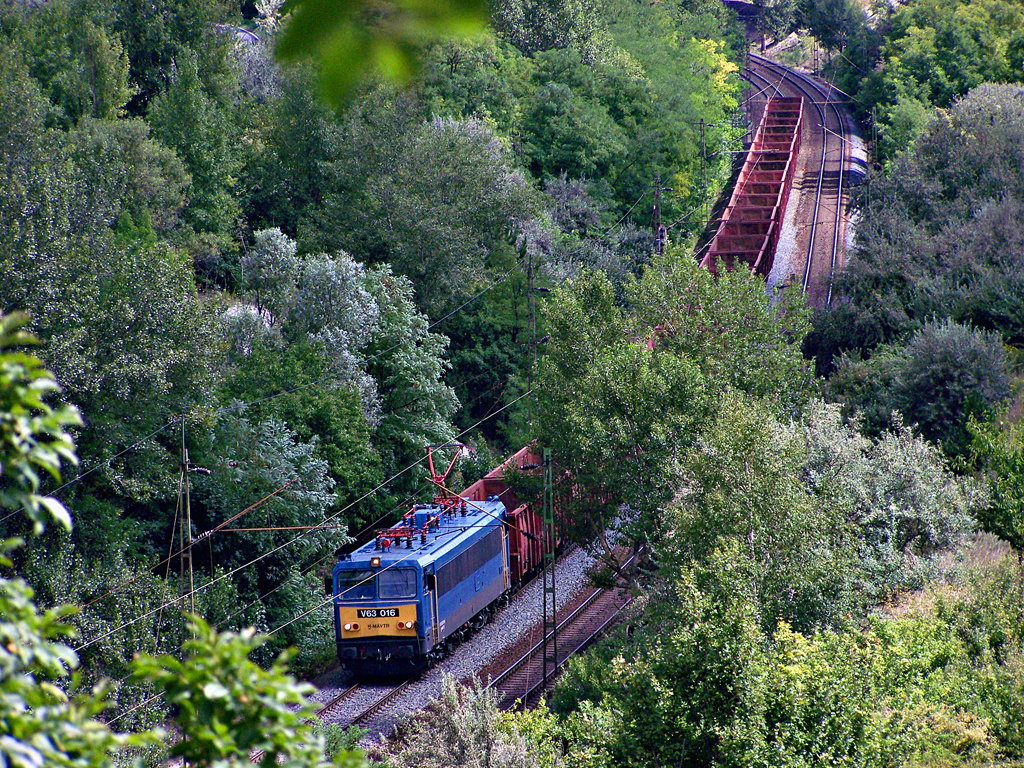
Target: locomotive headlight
point(347, 627)
point(375, 562)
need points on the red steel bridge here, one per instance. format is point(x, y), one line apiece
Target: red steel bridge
point(748, 231)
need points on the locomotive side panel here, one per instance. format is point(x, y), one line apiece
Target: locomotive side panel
point(470, 582)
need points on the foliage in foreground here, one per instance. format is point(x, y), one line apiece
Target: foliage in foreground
point(225, 706)
point(699, 683)
point(462, 727)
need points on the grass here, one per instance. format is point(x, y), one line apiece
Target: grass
point(954, 579)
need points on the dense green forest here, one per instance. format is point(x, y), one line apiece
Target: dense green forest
point(299, 277)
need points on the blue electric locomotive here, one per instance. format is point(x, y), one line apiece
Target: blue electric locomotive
point(400, 598)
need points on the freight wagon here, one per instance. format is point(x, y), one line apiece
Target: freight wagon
point(404, 599)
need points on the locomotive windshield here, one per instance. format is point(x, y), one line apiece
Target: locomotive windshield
point(356, 585)
point(397, 583)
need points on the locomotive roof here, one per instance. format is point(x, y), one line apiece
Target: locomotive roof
point(450, 535)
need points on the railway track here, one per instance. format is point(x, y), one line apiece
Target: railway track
point(523, 681)
point(825, 121)
point(358, 703)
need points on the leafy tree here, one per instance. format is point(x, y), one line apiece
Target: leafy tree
point(924, 54)
point(743, 485)
point(616, 413)
point(127, 176)
point(228, 708)
point(773, 17)
point(158, 36)
point(688, 688)
point(248, 463)
point(568, 129)
point(727, 326)
point(190, 121)
point(258, 73)
point(80, 65)
point(440, 206)
point(945, 373)
point(33, 434)
point(407, 361)
point(902, 508)
point(996, 445)
point(533, 26)
point(269, 273)
point(307, 396)
point(332, 303)
point(904, 122)
point(293, 141)
point(146, 292)
point(833, 22)
point(482, 77)
point(939, 240)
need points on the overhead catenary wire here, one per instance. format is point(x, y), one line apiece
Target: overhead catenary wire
point(278, 548)
point(306, 571)
point(238, 406)
point(320, 560)
point(269, 633)
point(97, 466)
point(226, 522)
point(242, 405)
point(202, 536)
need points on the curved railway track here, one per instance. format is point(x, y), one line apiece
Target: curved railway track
point(827, 122)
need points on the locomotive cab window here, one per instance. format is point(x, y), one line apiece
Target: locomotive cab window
point(356, 585)
point(397, 583)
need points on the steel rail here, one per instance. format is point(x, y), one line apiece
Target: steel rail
point(570, 619)
point(379, 704)
point(772, 67)
point(345, 694)
point(518, 663)
point(539, 685)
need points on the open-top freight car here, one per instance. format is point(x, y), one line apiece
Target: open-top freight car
point(402, 600)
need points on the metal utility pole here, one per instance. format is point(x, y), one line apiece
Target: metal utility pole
point(549, 651)
point(186, 527)
point(533, 333)
point(660, 233)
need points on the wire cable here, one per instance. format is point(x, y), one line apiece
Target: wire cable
point(278, 548)
point(96, 466)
